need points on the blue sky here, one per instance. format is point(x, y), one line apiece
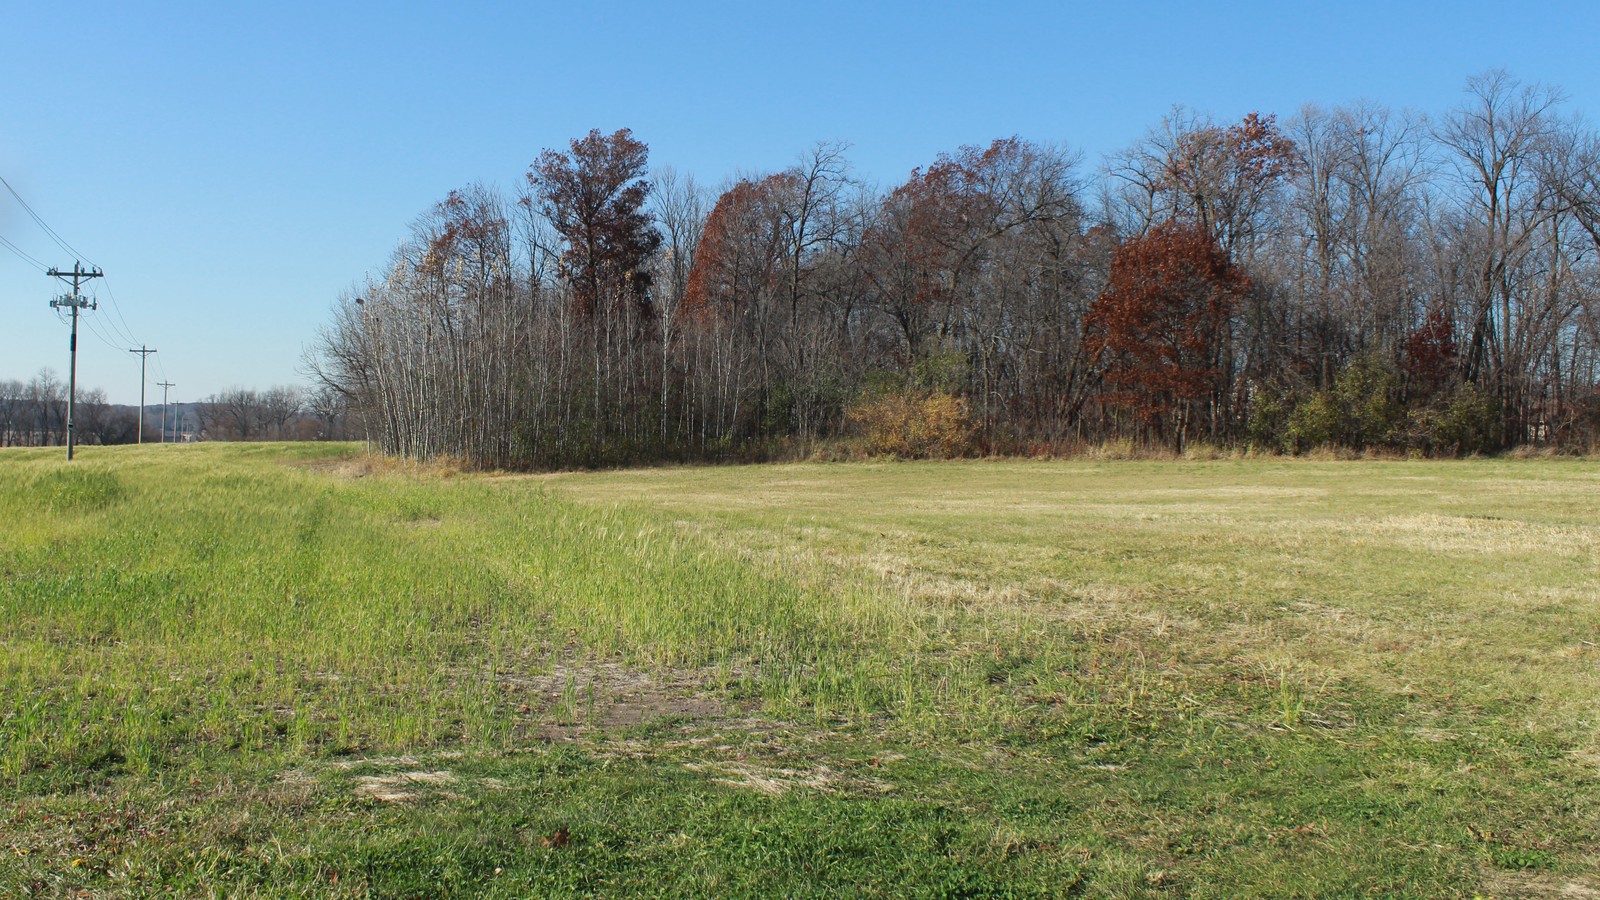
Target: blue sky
point(232, 167)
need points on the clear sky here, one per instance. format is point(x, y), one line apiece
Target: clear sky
point(233, 167)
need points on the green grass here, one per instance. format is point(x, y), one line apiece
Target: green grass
point(283, 671)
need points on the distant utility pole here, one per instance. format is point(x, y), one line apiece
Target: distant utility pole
point(144, 354)
point(75, 301)
point(164, 385)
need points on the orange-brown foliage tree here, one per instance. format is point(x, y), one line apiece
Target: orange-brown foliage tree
point(740, 248)
point(1160, 330)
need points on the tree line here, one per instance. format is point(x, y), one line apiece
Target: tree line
point(33, 413)
point(281, 413)
point(1354, 276)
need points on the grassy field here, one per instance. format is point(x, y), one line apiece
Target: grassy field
point(284, 670)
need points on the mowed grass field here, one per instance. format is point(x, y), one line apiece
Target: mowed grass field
point(285, 670)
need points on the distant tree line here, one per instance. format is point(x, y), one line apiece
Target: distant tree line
point(282, 413)
point(33, 413)
point(1357, 276)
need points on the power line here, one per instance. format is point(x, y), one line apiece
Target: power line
point(122, 333)
point(118, 327)
point(126, 330)
point(60, 241)
point(118, 310)
point(100, 335)
point(23, 255)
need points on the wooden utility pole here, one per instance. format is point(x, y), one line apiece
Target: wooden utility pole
point(164, 385)
point(144, 354)
point(75, 301)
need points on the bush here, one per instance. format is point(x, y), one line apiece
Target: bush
point(1463, 422)
point(1468, 422)
point(913, 424)
point(1267, 420)
point(1368, 392)
point(1362, 409)
point(1315, 422)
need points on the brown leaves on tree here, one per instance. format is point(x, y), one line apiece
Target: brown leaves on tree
point(936, 223)
point(927, 223)
point(594, 197)
point(1160, 327)
point(1219, 178)
point(469, 232)
point(1429, 353)
point(936, 234)
point(741, 248)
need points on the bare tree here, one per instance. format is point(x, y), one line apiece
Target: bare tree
point(1499, 143)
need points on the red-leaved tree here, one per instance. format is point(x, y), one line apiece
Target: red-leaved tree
point(595, 196)
point(1429, 355)
point(737, 261)
point(1160, 330)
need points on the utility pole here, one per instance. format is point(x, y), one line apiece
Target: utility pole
point(75, 301)
point(144, 354)
point(164, 385)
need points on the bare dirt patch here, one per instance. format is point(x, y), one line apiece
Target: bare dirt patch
point(1522, 884)
point(363, 465)
point(401, 786)
point(578, 697)
point(776, 780)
